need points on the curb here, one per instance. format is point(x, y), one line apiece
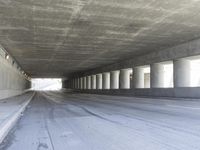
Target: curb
point(9, 124)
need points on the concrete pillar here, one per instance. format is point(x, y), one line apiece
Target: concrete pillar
point(99, 81)
point(157, 75)
point(114, 79)
point(88, 82)
point(70, 84)
point(138, 77)
point(73, 83)
point(65, 84)
point(106, 80)
point(80, 83)
point(124, 78)
point(93, 82)
point(147, 80)
point(77, 84)
point(84, 82)
point(182, 73)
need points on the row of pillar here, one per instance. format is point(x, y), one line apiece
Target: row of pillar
point(108, 80)
point(120, 79)
point(181, 74)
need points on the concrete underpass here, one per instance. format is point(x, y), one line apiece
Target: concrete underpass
point(128, 75)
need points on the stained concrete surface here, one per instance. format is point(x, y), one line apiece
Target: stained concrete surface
point(87, 34)
point(60, 121)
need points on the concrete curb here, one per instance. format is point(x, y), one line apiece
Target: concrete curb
point(7, 125)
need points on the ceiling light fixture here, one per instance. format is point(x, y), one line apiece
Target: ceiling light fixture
point(7, 56)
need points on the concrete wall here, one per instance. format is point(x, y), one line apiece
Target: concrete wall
point(12, 82)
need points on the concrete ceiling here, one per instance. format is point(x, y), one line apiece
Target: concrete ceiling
point(57, 37)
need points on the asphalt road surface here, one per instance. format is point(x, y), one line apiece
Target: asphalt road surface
point(69, 121)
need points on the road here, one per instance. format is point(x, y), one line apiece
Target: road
point(70, 121)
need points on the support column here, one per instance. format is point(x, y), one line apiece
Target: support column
point(88, 82)
point(138, 77)
point(182, 73)
point(125, 78)
point(76, 83)
point(99, 81)
point(82, 83)
point(70, 84)
point(93, 83)
point(73, 83)
point(77, 79)
point(114, 79)
point(66, 84)
point(157, 75)
point(85, 83)
point(79, 85)
point(75, 86)
point(106, 80)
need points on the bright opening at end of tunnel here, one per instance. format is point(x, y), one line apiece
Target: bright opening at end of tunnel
point(46, 84)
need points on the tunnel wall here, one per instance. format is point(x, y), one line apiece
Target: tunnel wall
point(12, 82)
point(191, 48)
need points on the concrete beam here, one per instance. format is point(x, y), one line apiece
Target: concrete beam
point(180, 51)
